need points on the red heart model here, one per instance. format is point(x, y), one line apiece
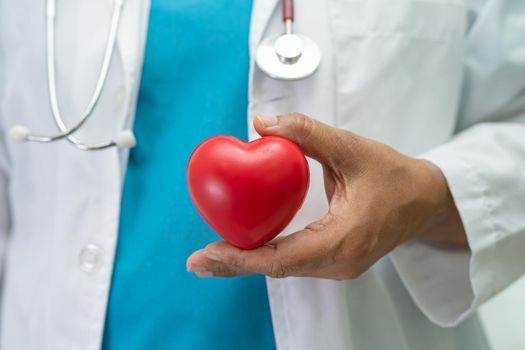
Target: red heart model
point(248, 192)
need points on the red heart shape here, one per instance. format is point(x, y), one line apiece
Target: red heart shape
point(248, 192)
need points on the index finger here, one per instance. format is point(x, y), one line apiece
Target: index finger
point(299, 254)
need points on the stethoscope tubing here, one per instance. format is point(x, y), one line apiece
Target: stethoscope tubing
point(288, 12)
point(288, 56)
point(101, 81)
point(126, 138)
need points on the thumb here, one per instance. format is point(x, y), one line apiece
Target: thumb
point(317, 140)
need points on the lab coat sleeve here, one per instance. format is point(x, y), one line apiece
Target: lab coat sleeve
point(484, 165)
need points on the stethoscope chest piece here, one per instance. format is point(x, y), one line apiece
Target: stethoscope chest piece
point(288, 56)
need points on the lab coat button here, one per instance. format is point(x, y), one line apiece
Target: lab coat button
point(90, 258)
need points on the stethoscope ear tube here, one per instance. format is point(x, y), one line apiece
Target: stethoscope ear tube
point(124, 139)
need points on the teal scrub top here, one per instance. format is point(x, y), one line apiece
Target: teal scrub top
point(194, 86)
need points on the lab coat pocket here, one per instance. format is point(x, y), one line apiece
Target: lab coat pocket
point(398, 63)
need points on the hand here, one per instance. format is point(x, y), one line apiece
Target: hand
point(378, 199)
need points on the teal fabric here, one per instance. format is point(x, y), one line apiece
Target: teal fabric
point(194, 86)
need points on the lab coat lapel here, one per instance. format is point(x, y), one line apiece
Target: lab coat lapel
point(266, 95)
point(131, 40)
point(261, 13)
point(131, 36)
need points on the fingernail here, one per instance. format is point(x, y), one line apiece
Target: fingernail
point(268, 121)
point(204, 274)
point(212, 256)
point(196, 269)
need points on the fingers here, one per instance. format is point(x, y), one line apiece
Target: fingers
point(303, 253)
point(204, 266)
point(317, 140)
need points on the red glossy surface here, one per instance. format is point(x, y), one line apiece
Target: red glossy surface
point(248, 192)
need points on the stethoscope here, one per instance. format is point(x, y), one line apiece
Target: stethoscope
point(124, 139)
point(286, 57)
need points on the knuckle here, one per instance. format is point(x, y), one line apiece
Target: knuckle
point(321, 225)
point(222, 269)
point(330, 223)
point(304, 124)
point(232, 261)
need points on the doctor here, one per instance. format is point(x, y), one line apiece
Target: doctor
point(416, 138)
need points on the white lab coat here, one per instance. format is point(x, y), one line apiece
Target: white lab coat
point(410, 73)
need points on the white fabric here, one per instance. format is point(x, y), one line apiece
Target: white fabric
point(485, 168)
point(410, 73)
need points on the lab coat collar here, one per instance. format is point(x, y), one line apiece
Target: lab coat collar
point(261, 88)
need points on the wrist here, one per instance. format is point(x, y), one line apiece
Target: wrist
point(444, 223)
